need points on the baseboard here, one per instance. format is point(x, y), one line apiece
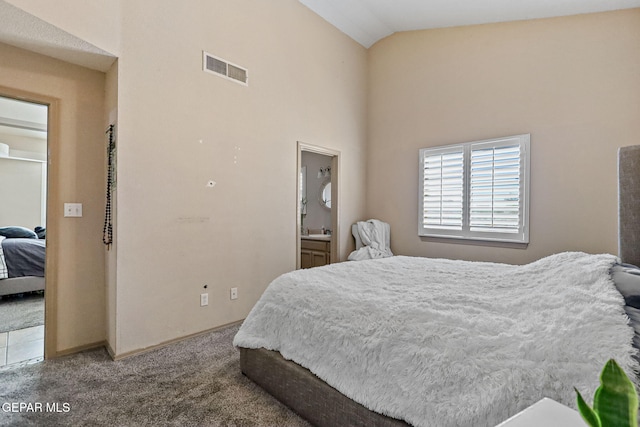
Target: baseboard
point(112, 353)
point(78, 349)
point(166, 343)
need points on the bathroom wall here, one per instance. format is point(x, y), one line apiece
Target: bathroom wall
point(317, 216)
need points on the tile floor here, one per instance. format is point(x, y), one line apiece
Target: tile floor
point(23, 345)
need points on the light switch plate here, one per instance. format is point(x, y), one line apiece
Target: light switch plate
point(73, 209)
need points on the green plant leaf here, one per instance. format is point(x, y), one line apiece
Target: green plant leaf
point(588, 414)
point(616, 401)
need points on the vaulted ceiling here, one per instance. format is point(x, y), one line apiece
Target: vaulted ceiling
point(367, 21)
point(19, 28)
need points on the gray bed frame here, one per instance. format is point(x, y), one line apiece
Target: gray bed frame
point(324, 406)
point(309, 396)
point(19, 285)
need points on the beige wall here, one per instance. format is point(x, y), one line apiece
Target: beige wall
point(75, 175)
point(179, 127)
point(572, 82)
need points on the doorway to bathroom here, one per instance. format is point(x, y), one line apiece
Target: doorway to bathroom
point(317, 224)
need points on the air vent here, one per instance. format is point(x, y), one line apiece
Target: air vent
point(223, 68)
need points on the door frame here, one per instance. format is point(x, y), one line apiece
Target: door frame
point(335, 197)
point(52, 225)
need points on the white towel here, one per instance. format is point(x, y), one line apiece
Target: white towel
point(375, 236)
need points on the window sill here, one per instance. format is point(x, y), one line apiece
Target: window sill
point(474, 241)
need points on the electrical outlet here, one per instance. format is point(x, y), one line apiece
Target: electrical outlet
point(204, 299)
point(234, 293)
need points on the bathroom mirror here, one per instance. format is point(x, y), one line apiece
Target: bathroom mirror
point(325, 194)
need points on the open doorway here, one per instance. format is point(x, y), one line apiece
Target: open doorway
point(317, 208)
point(23, 168)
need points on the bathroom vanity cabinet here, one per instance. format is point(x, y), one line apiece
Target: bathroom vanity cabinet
point(315, 251)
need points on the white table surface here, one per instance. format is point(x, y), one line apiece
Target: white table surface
point(546, 412)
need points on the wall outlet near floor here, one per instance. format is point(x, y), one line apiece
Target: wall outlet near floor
point(204, 299)
point(234, 293)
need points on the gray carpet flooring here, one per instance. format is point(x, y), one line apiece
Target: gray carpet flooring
point(21, 311)
point(195, 382)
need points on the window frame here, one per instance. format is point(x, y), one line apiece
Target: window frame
point(521, 236)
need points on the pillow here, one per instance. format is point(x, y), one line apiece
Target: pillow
point(627, 279)
point(41, 232)
point(17, 233)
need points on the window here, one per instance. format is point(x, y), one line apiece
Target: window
point(476, 190)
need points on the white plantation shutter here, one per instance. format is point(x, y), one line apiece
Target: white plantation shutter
point(477, 190)
point(495, 189)
point(443, 189)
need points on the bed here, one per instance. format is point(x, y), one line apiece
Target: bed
point(417, 341)
point(21, 265)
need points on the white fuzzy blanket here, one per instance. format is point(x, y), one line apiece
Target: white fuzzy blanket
point(448, 343)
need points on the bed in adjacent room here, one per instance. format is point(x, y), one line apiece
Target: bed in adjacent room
point(433, 342)
point(22, 261)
